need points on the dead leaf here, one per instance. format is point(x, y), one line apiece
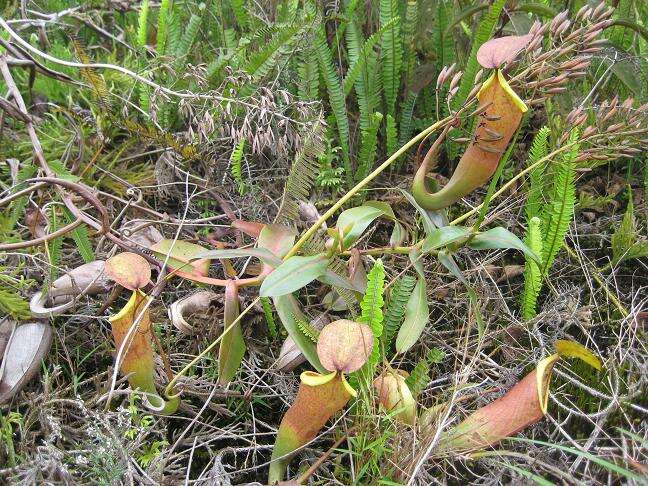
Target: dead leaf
point(26, 347)
point(197, 303)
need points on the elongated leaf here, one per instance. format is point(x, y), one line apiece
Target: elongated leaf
point(353, 222)
point(293, 274)
point(417, 315)
point(440, 237)
point(232, 345)
point(289, 311)
point(182, 256)
point(501, 238)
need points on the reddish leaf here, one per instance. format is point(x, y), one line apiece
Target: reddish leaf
point(344, 345)
point(495, 52)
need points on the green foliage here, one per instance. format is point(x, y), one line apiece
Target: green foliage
point(532, 273)
point(236, 168)
point(372, 311)
point(537, 151)
point(368, 147)
point(420, 376)
point(559, 210)
point(391, 53)
point(336, 96)
point(142, 24)
point(308, 86)
point(395, 312)
point(307, 329)
point(189, 34)
point(392, 135)
point(11, 302)
point(163, 25)
point(301, 178)
point(269, 316)
point(626, 242)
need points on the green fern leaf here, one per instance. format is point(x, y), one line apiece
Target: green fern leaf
point(241, 14)
point(367, 85)
point(442, 39)
point(532, 273)
point(420, 376)
point(307, 329)
point(236, 168)
point(372, 313)
point(189, 34)
point(395, 312)
point(12, 304)
point(391, 53)
point(392, 135)
point(406, 124)
point(269, 316)
point(359, 59)
point(308, 86)
point(142, 24)
point(536, 176)
point(301, 178)
point(336, 97)
point(81, 238)
point(163, 25)
point(368, 147)
point(559, 211)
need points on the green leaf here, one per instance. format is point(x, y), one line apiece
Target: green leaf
point(181, 256)
point(501, 238)
point(398, 298)
point(142, 24)
point(391, 53)
point(293, 274)
point(431, 219)
point(440, 237)
point(269, 316)
point(232, 346)
point(417, 315)
point(372, 312)
point(532, 272)
point(81, 238)
point(288, 311)
point(353, 222)
point(538, 150)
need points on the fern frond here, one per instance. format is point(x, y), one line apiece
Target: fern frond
point(308, 86)
point(189, 34)
point(81, 238)
point(54, 246)
point(406, 125)
point(307, 329)
point(443, 42)
point(532, 273)
point(359, 59)
point(92, 77)
point(240, 12)
point(538, 150)
point(336, 97)
point(368, 147)
point(420, 376)
point(163, 25)
point(142, 24)
point(302, 176)
point(269, 316)
point(367, 85)
point(262, 62)
point(236, 168)
point(392, 135)
point(372, 313)
point(391, 53)
point(395, 312)
point(484, 32)
point(560, 208)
